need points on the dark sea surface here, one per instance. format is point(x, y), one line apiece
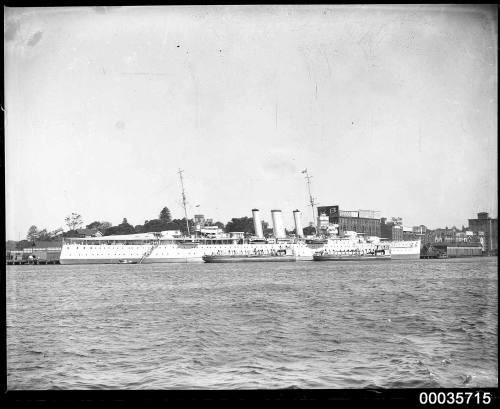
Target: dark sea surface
point(396, 324)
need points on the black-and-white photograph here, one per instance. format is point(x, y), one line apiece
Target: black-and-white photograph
point(252, 197)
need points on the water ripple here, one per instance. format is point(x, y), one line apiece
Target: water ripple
point(419, 324)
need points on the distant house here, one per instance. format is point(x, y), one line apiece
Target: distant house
point(88, 233)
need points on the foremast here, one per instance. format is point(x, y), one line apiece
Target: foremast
point(311, 198)
point(184, 202)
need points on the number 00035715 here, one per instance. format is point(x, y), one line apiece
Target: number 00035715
point(454, 398)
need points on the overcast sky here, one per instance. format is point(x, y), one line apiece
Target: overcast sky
point(390, 108)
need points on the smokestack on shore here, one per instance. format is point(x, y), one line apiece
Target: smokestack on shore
point(298, 226)
point(278, 228)
point(257, 224)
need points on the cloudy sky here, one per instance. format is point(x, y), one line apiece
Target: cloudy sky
point(391, 108)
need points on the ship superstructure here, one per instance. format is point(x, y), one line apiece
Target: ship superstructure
point(172, 246)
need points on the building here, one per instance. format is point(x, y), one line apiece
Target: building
point(415, 233)
point(200, 223)
point(452, 236)
point(199, 219)
point(419, 229)
point(392, 230)
point(366, 222)
point(409, 234)
point(451, 250)
point(446, 235)
point(489, 227)
point(211, 231)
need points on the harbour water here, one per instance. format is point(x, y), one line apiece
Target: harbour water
point(402, 324)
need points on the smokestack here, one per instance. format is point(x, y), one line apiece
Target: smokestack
point(279, 230)
point(257, 224)
point(298, 225)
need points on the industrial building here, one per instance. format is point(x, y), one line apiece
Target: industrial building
point(365, 222)
point(451, 250)
point(489, 227)
point(409, 234)
point(391, 230)
point(35, 255)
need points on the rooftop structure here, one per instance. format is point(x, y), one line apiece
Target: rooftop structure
point(391, 230)
point(366, 222)
point(489, 226)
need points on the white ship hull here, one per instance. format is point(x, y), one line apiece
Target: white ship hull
point(405, 250)
point(173, 252)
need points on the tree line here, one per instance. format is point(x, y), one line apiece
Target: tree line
point(74, 222)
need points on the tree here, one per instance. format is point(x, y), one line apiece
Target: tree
point(104, 225)
point(23, 244)
point(73, 221)
point(54, 233)
point(101, 226)
point(165, 215)
point(309, 230)
point(123, 228)
point(11, 245)
point(93, 225)
point(266, 230)
point(71, 233)
point(157, 225)
point(43, 235)
point(32, 233)
point(241, 224)
point(219, 225)
point(180, 224)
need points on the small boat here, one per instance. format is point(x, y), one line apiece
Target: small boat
point(242, 258)
point(336, 257)
point(382, 252)
point(127, 262)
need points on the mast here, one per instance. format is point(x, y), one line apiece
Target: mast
point(184, 200)
point(311, 199)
